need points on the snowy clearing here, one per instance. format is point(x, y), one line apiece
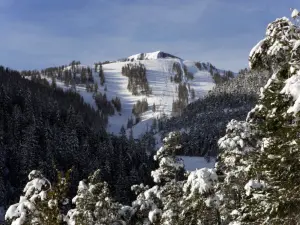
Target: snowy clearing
point(194, 162)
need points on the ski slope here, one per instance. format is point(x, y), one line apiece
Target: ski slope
point(158, 72)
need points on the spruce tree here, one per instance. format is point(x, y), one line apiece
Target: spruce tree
point(266, 178)
point(101, 75)
point(53, 82)
point(94, 204)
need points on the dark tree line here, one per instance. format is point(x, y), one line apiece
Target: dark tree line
point(137, 79)
point(215, 73)
point(187, 74)
point(78, 75)
point(117, 103)
point(218, 78)
point(130, 123)
point(182, 101)
point(101, 74)
point(140, 107)
point(45, 128)
point(29, 73)
point(178, 73)
point(70, 75)
point(205, 66)
point(91, 87)
point(104, 106)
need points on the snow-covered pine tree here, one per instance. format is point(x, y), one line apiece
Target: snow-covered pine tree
point(176, 198)
point(271, 180)
point(94, 205)
point(170, 166)
point(170, 178)
point(233, 164)
point(25, 211)
point(160, 204)
point(41, 203)
point(199, 203)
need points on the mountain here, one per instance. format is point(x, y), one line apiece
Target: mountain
point(171, 83)
point(164, 91)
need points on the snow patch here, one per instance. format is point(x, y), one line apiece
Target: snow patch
point(151, 55)
point(200, 181)
point(254, 184)
point(154, 215)
point(256, 49)
point(295, 13)
point(194, 162)
point(292, 87)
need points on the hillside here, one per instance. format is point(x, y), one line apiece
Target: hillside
point(204, 121)
point(54, 130)
point(172, 82)
point(164, 91)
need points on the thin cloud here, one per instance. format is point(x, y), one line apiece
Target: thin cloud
point(34, 35)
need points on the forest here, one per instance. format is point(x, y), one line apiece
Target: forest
point(137, 79)
point(49, 129)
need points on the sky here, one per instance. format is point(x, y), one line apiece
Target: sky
point(39, 33)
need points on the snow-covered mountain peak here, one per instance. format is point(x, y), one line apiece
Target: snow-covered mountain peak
point(148, 86)
point(150, 56)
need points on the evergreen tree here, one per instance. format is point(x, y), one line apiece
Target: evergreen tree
point(95, 88)
point(154, 124)
point(160, 204)
point(26, 212)
point(53, 83)
point(129, 123)
point(170, 168)
point(178, 72)
point(123, 131)
point(176, 199)
point(267, 189)
point(101, 75)
point(83, 77)
point(94, 204)
point(153, 107)
point(193, 95)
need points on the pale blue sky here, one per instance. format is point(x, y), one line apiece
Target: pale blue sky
point(42, 33)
